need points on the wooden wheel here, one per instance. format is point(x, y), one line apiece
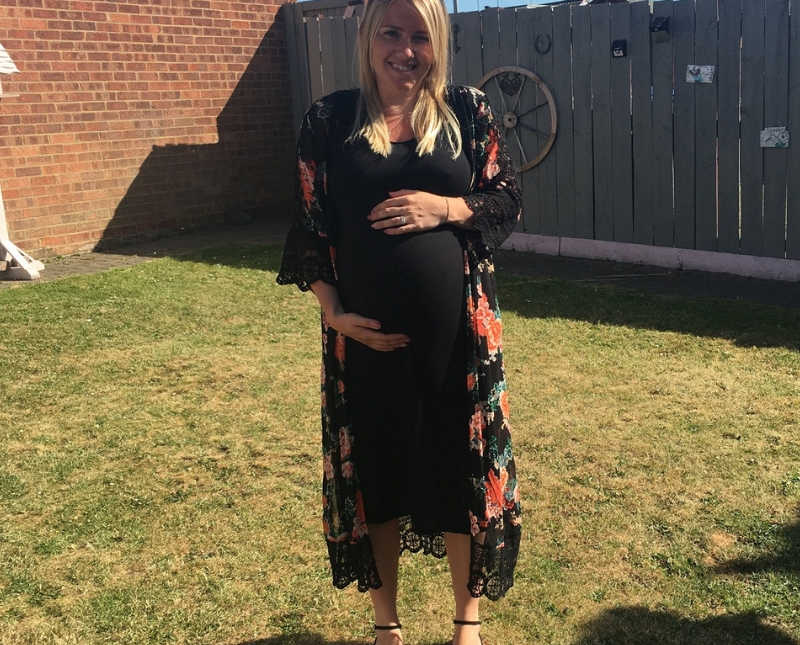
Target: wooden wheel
point(518, 98)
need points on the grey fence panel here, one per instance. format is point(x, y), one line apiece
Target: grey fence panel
point(622, 170)
point(728, 84)
point(351, 40)
point(641, 154)
point(314, 58)
point(562, 149)
point(752, 110)
point(683, 51)
point(705, 129)
point(776, 98)
point(545, 172)
point(643, 169)
point(663, 217)
point(582, 121)
point(467, 52)
point(793, 207)
point(601, 123)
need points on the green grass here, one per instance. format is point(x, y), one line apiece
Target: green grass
point(159, 479)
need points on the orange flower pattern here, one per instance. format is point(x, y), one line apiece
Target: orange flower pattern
point(310, 255)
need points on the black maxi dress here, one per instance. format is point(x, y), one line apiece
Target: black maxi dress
point(410, 405)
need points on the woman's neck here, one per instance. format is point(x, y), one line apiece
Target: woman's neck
point(397, 104)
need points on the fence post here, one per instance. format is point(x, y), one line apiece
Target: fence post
point(300, 94)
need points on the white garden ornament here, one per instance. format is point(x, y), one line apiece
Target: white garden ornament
point(14, 262)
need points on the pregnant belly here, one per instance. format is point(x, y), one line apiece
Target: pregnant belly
point(401, 280)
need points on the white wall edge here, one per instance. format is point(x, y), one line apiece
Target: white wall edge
point(671, 258)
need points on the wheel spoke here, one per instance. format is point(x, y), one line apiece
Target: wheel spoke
point(521, 149)
point(533, 109)
point(531, 128)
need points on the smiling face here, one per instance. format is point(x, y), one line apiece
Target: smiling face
point(401, 54)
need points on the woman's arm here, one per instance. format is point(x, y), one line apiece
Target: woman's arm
point(359, 328)
point(492, 209)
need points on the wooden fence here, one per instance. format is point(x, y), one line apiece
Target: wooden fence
point(641, 154)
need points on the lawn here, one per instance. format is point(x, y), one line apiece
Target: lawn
point(160, 476)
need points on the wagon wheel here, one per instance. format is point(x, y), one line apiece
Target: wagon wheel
point(508, 83)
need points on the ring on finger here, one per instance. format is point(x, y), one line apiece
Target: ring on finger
point(402, 220)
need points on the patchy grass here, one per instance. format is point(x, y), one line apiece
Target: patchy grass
point(160, 475)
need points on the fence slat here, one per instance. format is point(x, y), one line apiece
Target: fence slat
point(297, 63)
point(582, 121)
point(467, 65)
point(601, 123)
point(507, 55)
point(728, 83)
point(314, 58)
point(546, 171)
point(752, 110)
point(663, 215)
point(705, 128)
point(642, 124)
point(562, 148)
point(622, 172)
point(351, 40)
point(683, 52)
point(490, 28)
point(776, 99)
point(328, 60)
point(793, 210)
point(530, 180)
point(340, 62)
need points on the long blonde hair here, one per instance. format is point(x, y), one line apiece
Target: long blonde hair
point(431, 113)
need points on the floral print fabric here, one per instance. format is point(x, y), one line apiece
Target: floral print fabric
point(310, 255)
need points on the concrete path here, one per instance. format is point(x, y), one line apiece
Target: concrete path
point(695, 284)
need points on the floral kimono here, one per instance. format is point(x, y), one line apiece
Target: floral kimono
point(310, 255)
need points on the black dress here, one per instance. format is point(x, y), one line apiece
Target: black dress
point(409, 406)
point(313, 252)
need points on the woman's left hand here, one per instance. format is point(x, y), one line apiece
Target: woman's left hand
point(409, 210)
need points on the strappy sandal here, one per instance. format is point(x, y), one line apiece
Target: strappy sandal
point(397, 626)
point(469, 622)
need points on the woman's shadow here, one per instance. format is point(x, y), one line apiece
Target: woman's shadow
point(641, 626)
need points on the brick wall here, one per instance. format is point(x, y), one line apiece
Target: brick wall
point(135, 119)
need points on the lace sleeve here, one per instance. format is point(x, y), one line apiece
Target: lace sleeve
point(496, 201)
point(307, 252)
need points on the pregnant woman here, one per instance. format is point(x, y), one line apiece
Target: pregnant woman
point(405, 188)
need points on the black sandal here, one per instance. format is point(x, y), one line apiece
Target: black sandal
point(397, 626)
point(469, 622)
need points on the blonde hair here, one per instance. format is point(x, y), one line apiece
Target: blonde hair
point(431, 113)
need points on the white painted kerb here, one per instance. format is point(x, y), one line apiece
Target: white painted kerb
point(671, 258)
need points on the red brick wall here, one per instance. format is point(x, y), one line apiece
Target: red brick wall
point(140, 118)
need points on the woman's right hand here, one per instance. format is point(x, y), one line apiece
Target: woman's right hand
point(365, 331)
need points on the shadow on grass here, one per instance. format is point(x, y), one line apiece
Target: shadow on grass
point(314, 639)
point(742, 322)
point(786, 559)
point(641, 626)
point(299, 639)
